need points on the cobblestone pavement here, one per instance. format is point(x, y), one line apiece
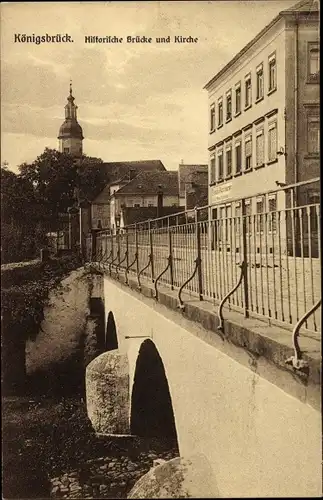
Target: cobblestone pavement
point(106, 477)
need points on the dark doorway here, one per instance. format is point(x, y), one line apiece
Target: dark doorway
point(151, 406)
point(111, 339)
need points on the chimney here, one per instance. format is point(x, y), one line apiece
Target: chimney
point(159, 203)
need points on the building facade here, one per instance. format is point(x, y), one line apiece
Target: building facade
point(70, 134)
point(264, 117)
point(103, 206)
point(147, 189)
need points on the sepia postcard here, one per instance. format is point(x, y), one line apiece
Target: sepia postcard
point(161, 249)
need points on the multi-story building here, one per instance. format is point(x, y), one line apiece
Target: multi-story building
point(264, 115)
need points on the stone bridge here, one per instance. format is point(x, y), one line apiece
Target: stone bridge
point(229, 398)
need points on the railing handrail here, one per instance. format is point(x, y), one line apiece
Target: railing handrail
point(223, 202)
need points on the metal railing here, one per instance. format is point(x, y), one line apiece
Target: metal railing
point(258, 255)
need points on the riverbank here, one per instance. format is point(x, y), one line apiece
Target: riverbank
point(51, 450)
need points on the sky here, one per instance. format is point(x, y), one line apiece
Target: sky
point(135, 101)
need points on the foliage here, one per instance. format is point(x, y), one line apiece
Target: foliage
point(59, 180)
point(23, 301)
point(21, 242)
point(32, 201)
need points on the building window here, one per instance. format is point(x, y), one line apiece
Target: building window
point(238, 157)
point(260, 147)
point(260, 83)
point(136, 205)
point(212, 168)
point(259, 216)
point(220, 166)
point(313, 134)
point(272, 208)
point(248, 91)
point(248, 153)
point(66, 150)
point(229, 106)
point(212, 118)
point(272, 76)
point(272, 141)
point(220, 112)
point(238, 99)
point(229, 161)
point(150, 204)
point(313, 61)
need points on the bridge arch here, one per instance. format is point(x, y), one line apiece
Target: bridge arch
point(111, 337)
point(152, 413)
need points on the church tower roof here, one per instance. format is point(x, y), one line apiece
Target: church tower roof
point(70, 129)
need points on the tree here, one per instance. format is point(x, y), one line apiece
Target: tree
point(59, 179)
point(33, 200)
point(17, 197)
point(21, 231)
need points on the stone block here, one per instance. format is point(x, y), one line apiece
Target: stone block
point(107, 393)
point(181, 477)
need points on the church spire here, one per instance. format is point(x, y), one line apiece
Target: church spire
point(70, 108)
point(70, 134)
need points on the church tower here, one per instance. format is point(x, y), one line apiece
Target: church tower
point(70, 133)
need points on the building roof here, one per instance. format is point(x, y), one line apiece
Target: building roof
point(150, 183)
point(120, 172)
point(131, 215)
point(185, 175)
point(70, 128)
point(304, 6)
point(119, 169)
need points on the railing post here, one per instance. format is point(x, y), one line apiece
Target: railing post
point(136, 246)
point(199, 261)
point(94, 245)
point(112, 257)
point(245, 257)
point(118, 247)
point(151, 251)
point(170, 247)
point(127, 248)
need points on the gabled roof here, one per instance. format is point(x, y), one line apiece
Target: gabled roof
point(122, 171)
point(150, 183)
point(305, 6)
point(122, 168)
